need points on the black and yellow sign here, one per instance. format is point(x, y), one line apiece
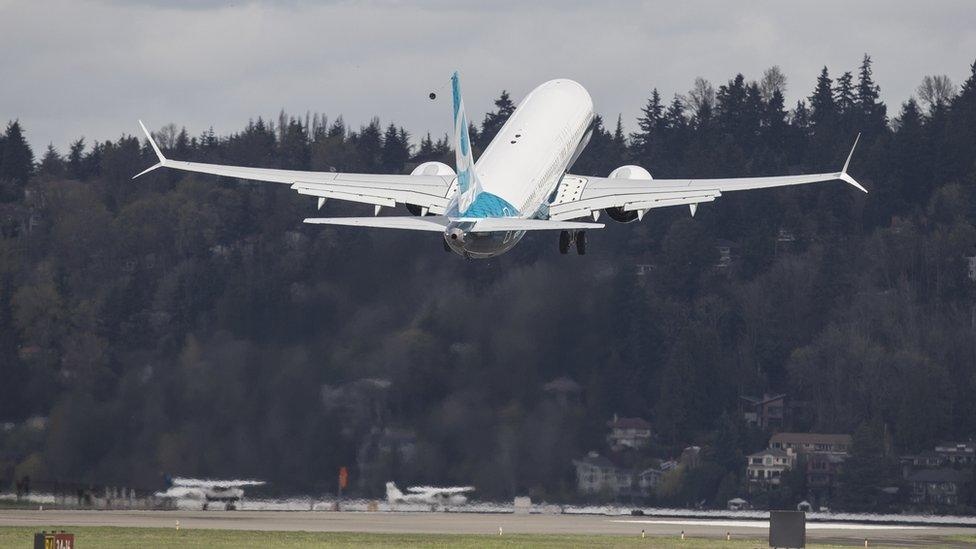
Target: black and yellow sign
point(54, 540)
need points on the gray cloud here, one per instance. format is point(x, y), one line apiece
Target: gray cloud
point(91, 68)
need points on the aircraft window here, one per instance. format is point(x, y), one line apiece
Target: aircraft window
point(513, 142)
point(518, 135)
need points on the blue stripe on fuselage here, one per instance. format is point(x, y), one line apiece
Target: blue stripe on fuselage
point(489, 205)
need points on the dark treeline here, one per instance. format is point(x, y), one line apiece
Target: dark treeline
point(191, 325)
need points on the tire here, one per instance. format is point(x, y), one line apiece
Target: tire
point(564, 242)
point(581, 243)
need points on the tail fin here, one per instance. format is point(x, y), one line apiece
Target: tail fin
point(392, 492)
point(468, 184)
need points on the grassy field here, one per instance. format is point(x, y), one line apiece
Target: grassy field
point(105, 537)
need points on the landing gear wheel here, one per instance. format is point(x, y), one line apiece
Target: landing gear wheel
point(204, 506)
point(581, 243)
point(564, 241)
point(231, 506)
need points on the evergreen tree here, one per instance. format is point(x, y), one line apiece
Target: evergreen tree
point(76, 158)
point(494, 121)
point(823, 115)
point(873, 112)
point(396, 150)
point(51, 164)
point(647, 141)
point(16, 162)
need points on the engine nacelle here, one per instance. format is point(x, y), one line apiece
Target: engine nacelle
point(433, 168)
point(627, 172)
point(428, 168)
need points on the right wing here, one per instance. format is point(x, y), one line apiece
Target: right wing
point(431, 193)
point(581, 196)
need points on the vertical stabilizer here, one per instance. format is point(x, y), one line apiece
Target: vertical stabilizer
point(393, 494)
point(468, 185)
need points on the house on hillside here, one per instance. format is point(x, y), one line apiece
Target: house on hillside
point(598, 475)
point(628, 432)
point(938, 486)
point(823, 470)
point(811, 443)
point(767, 467)
point(957, 453)
point(564, 390)
point(767, 412)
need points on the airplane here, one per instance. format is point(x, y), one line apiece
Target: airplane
point(429, 495)
point(230, 492)
point(520, 183)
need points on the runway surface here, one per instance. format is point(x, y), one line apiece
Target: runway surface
point(480, 523)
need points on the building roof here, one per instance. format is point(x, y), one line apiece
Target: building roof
point(562, 385)
point(764, 399)
point(596, 460)
point(775, 452)
point(810, 438)
point(628, 423)
point(941, 475)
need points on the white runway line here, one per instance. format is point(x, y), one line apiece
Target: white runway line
point(765, 524)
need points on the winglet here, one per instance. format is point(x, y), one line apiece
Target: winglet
point(843, 173)
point(159, 153)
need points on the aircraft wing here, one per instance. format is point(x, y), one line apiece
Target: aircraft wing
point(429, 192)
point(434, 490)
point(580, 196)
point(200, 483)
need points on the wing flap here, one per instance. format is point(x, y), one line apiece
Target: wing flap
point(492, 224)
point(431, 223)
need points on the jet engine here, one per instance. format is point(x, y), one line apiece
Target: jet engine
point(428, 168)
point(626, 172)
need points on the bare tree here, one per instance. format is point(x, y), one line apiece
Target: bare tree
point(773, 80)
point(936, 91)
point(701, 98)
point(166, 136)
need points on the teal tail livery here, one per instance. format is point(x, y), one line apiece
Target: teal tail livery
point(520, 183)
point(468, 185)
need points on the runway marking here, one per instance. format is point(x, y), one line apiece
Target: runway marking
point(765, 524)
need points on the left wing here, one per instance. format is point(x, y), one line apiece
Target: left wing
point(581, 196)
point(433, 490)
point(431, 193)
point(201, 483)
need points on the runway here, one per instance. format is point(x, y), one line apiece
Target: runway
point(481, 523)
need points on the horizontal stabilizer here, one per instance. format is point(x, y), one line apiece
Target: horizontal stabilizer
point(491, 224)
point(433, 223)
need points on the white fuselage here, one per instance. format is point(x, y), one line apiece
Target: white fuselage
point(525, 162)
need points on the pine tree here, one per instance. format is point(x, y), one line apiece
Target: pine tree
point(16, 163)
point(18, 159)
point(822, 104)
point(76, 157)
point(51, 164)
point(369, 142)
point(873, 112)
point(494, 121)
point(396, 150)
point(651, 123)
point(844, 94)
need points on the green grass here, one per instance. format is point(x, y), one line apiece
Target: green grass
point(105, 537)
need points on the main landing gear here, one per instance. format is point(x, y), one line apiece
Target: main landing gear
point(568, 238)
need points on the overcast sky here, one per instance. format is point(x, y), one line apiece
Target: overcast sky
point(89, 68)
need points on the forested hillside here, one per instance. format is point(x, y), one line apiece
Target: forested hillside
point(193, 325)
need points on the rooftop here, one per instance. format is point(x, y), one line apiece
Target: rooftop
point(629, 423)
point(941, 475)
point(810, 438)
